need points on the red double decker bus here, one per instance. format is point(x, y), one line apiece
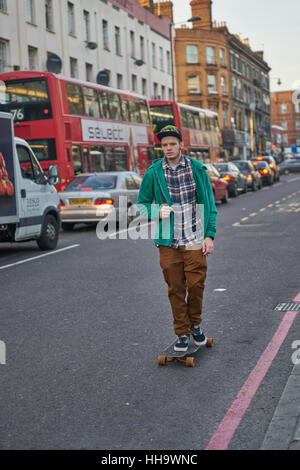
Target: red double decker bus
point(199, 127)
point(80, 126)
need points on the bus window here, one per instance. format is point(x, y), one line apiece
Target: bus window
point(97, 158)
point(197, 121)
point(190, 120)
point(125, 110)
point(86, 159)
point(27, 100)
point(104, 105)
point(91, 103)
point(109, 159)
point(115, 108)
point(44, 149)
point(77, 162)
point(161, 116)
point(150, 155)
point(216, 123)
point(120, 159)
point(184, 118)
point(134, 111)
point(75, 100)
point(144, 112)
point(202, 121)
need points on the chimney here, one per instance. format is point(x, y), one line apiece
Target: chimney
point(148, 4)
point(260, 54)
point(164, 8)
point(202, 9)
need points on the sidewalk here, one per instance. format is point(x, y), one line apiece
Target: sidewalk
point(284, 430)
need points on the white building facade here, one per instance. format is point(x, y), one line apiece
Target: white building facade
point(128, 44)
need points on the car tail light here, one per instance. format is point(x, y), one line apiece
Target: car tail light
point(249, 177)
point(264, 172)
point(271, 165)
point(61, 204)
point(226, 177)
point(259, 158)
point(86, 189)
point(100, 202)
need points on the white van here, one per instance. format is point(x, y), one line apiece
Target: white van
point(28, 200)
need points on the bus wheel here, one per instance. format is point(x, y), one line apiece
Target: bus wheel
point(49, 236)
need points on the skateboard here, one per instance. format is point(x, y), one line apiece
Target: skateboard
point(169, 355)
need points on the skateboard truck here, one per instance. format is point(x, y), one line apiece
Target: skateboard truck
point(173, 356)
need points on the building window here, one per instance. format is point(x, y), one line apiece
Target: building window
point(89, 72)
point(284, 125)
point(49, 14)
point(225, 115)
point(30, 11)
point(86, 19)
point(133, 82)
point(3, 55)
point(171, 94)
point(142, 48)
point(283, 108)
point(191, 54)
point(144, 86)
point(169, 62)
point(297, 108)
point(32, 58)
point(193, 84)
point(105, 34)
point(118, 40)
point(155, 90)
point(73, 67)
point(132, 44)
point(222, 57)
point(154, 55)
point(71, 19)
point(212, 84)
point(297, 124)
point(3, 5)
point(224, 85)
point(163, 92)
point(161, 59)
point(119, 81)
point(210, 55)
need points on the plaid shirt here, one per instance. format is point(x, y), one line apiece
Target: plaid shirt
point(182, 189)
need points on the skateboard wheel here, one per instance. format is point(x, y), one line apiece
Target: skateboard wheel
point(209, 343)
point(161, 360)
point(190, 361)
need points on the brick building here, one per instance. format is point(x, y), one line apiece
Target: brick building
point(286, 114)
point(218, 70)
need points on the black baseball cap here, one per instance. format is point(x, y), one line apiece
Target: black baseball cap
point(169, 131)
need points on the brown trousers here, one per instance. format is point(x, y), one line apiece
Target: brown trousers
point(184, 271)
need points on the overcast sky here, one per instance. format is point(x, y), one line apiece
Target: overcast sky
point(270, 25)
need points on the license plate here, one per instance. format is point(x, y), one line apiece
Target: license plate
point(80, 201)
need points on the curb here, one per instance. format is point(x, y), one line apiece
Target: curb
point(284, 430)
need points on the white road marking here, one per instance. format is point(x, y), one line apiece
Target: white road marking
point(293, 179)
point(38, 257)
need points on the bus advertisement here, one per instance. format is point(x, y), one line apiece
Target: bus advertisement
point(79, 126)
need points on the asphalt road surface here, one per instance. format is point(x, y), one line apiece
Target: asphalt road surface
point(83, 328)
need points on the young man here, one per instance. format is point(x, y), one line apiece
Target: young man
point(179, 185)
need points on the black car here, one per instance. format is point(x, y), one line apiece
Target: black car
point(237, 182)
point(266, 172)
point(272, 164)
point(253, 176)
point(289, 166)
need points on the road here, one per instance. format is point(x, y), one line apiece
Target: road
point(83, 327)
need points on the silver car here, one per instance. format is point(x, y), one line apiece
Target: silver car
point(92, 197)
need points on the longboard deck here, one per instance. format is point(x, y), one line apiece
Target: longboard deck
point(169, 355)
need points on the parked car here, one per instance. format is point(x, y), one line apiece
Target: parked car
point(289, 166)
point(253, 176)
point(266, 172)
point(272, 164)
point(237, 182)
point(219, 186)
point(91, 197)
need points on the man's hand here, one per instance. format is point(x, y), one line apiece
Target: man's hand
point(208, 246)
point(165, 212)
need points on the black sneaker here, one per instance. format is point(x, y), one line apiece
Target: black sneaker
point(182, 344)
point(198, 335)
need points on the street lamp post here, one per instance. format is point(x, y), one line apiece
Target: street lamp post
point(190, 20)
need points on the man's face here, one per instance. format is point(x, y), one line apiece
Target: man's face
point(171, 146)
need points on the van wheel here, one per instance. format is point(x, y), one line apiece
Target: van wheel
point(49, 237)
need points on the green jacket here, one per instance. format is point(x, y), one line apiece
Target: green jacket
point(150, 200)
